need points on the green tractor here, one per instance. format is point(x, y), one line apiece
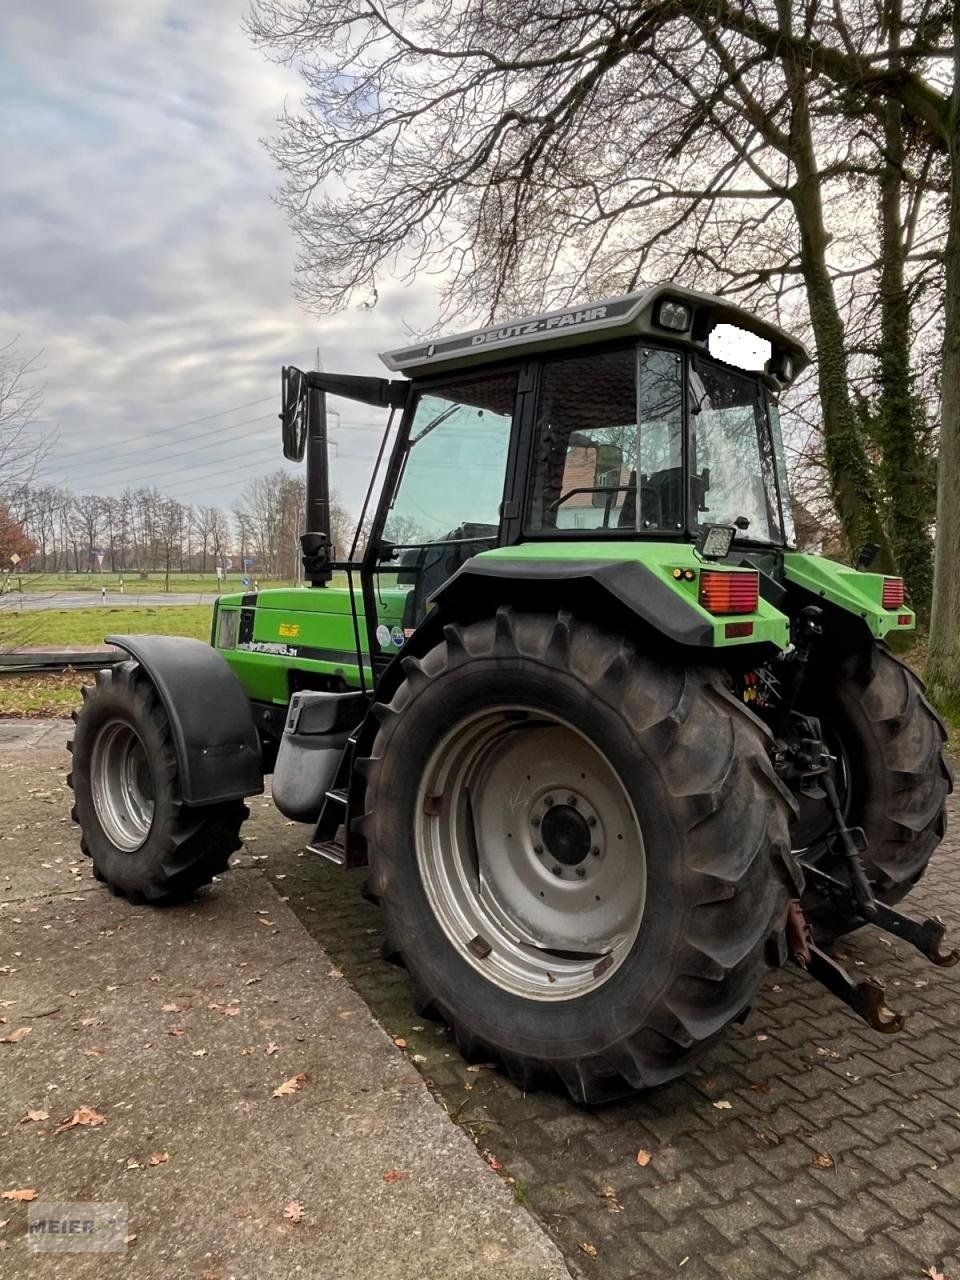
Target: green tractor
point(610, 748)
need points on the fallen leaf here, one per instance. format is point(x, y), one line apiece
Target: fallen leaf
point(643, 1158)
point(821, 1161)
point(271, 1048)
point(133, 1163)
point(15, 1036)
point(158, 1157)
point(293, 1085)
point(293, 1211)
point(761, 1037)
point(131, 1238)
point(760, 1086)
point(175, 1031)
point(19, 1196)
point(231, 1010)
point(589, 1249)
point(934, 1274)
point(170, 1008)
point(82, 1116)
point(723, 1105)
point(399, 1042)
point(93, 1053)
point(393, 1175)
point(260, 920)
point(35, 1115)
point(199, 1053)
point(824, 1052)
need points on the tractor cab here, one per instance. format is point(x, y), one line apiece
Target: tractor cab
point(582, 432)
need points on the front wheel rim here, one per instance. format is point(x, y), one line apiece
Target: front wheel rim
point(530, 853)
point(121, 783)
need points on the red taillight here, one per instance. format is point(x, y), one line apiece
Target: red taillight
point(904, 619)
point(733, 630)
point(892, 593)
point(722, 592)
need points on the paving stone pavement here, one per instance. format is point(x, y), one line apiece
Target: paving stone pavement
point(728, 1193)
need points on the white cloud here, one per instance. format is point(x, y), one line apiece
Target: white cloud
point(142, 252)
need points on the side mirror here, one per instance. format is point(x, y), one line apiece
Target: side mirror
point(293, 413)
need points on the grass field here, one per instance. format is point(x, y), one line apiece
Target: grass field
point(133, 583)
point(69, 628)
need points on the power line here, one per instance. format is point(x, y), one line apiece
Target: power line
point(180, 426)
point(135, 467)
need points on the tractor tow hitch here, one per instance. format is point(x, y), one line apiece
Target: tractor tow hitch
point(803, 761)
point(866, 997)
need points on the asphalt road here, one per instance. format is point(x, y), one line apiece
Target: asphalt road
point(15, 602)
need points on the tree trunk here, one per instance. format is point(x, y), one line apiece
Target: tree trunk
point(943, 661)
point(900, 418)
point(851, 476)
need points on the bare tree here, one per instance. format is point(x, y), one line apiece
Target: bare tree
point(525, 153)
point(21, 449)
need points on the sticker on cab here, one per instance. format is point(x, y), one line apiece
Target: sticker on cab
point(383, 635)
point(397, 636)
point(289, 629)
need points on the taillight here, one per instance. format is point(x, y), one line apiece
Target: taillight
point(722, 592)
point(892, 593)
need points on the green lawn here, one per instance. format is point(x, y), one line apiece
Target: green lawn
point(48, 583)
point(68, 628)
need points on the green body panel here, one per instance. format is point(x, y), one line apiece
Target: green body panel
point(859, 593)
point(662, 558)
point(304, 629)
point(311, 629)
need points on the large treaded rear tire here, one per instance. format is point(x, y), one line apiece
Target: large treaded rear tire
point(185, 847)
point(714, 822)
point(897, 779)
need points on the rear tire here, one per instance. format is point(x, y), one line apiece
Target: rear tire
point(712, 841)
point(894, 779)
point(143, 841)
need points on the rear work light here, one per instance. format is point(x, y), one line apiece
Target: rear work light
point(892, 593)
point(722, 592)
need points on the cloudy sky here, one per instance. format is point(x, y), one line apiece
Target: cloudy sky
point(142, 255)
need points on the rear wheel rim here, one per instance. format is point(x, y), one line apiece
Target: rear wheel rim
point(530, 853)
point(121, 783)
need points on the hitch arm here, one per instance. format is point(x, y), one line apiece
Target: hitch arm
point(865, 998)
point(926, 935)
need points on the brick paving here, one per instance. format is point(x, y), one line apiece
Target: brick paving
point(729, 1193)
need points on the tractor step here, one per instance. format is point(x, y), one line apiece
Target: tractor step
point(330, 850)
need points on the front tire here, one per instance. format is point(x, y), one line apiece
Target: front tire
point(610, 961)
point(143, 841)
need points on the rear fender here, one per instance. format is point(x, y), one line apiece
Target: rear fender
point(211, 721)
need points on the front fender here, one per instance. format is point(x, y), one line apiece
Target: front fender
point(214, 735)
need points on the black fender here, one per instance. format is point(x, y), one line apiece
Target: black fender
point(214, 735)
point(594, 587)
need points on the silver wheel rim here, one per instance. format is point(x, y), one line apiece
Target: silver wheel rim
point(530, 853)
point(122, 786)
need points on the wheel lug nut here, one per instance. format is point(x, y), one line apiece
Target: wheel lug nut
point(538, 849)
point(547, 801)
point(556, 871)
point(592, 821)
point(534, 821)
point(595, 851)
point(580, 872)
point(572, 800)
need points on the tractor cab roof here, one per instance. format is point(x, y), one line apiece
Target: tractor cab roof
point(664, 313)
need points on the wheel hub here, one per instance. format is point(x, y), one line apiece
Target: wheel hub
point(531, 853)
